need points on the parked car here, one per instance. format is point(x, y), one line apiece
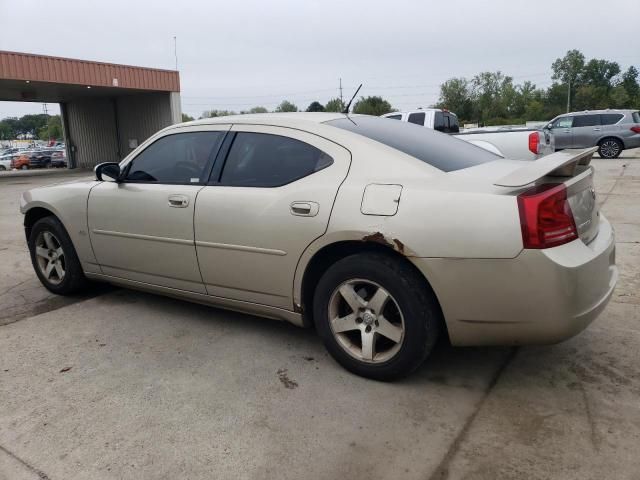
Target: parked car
point(20, 161)
point(5, 162)
point(612, 131)
point(32, 159)
point(58, 159)
point(519, 143)
point(382, 234)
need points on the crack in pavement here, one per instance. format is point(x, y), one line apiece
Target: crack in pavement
point(442, 470)
point(27, 465)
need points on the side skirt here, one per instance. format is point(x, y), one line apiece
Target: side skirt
point(220, 302)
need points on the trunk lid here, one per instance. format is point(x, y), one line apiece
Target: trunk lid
point(570, 167)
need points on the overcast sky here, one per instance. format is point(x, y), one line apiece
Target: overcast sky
point(242, 53)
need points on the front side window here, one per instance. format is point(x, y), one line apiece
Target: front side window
point(438, 121)
point(562, 122)
point(182, 158)
point(394, 117)
point(417, 118)
point(610, 118)
point(586, 121)
point(264, 160)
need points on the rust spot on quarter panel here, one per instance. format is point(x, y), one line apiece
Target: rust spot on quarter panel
point(378, 237)
point(399, 245)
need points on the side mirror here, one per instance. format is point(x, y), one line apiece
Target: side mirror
point(111, 170)
point(548, 126)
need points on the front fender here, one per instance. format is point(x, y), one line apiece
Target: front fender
point(68, 202)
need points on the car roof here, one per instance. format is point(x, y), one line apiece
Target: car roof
point(596, 112)
point(277, 119)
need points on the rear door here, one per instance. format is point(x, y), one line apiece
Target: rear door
point(562, 132)
point(266, 203)
point(586, 130)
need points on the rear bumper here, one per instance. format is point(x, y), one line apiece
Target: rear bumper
point(539, 297)
point(632, 142)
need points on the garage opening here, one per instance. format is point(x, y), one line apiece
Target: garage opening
point(106, 110)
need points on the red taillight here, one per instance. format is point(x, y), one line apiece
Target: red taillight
point(534, 142)
point(546, 219)
point(635, 129)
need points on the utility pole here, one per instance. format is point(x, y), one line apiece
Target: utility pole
point(569, 95)
point(341, 102)
point(175, 50)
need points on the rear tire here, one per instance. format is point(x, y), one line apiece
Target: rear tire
point(54, 258)
point(376, 316)
point(2, 168)
point(24, 167)
point(610, 148)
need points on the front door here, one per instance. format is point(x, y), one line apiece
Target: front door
point(142, 228)
point(562, 132)
point(272, 198)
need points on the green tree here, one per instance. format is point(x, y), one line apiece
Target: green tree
point(631, 86)
point(315, 107)
point(372, 106)
point(187, 118)
point(455, 95)
point(286, 106)
point(334, 105)
point(568, 69)
point(217, 113)
point(599, 73)
point(258, 110)
point(52, 130)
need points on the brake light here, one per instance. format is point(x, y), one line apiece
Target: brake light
point(534, 142)
point(546, 218)
point(635, 129)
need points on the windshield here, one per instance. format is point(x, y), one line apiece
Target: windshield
point(437, 149)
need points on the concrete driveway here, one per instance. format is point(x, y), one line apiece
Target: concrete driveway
point(119, 384)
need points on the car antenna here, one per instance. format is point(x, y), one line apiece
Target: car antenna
point(346, 109)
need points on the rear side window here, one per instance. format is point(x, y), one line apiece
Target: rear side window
point(437, 149)
point(636, 117)
point(586, 120)
point(610, 118)
point(417, 118)
point(263, 160)
point(182, 158)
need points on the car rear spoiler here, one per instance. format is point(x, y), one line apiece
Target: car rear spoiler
point(559, 164)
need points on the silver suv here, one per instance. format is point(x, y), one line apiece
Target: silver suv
point(610, 130)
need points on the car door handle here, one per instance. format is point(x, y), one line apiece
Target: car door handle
point(178, 201)
point(305, 209)
point(567, 130)
point(596, 129)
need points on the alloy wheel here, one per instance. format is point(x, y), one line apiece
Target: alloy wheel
point(609, 149)
point(366, 321)
point(50, 257)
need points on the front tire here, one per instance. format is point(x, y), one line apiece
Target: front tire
point(376, 316)
point(610, 148)
point(54, 258)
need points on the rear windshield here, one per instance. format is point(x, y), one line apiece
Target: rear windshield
point(636, 117)
point(437, 149)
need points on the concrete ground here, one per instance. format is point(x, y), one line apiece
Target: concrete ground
point(120, 384)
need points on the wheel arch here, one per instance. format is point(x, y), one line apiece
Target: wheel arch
point(332, 252)
point(614, 137)
point(34, 214)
